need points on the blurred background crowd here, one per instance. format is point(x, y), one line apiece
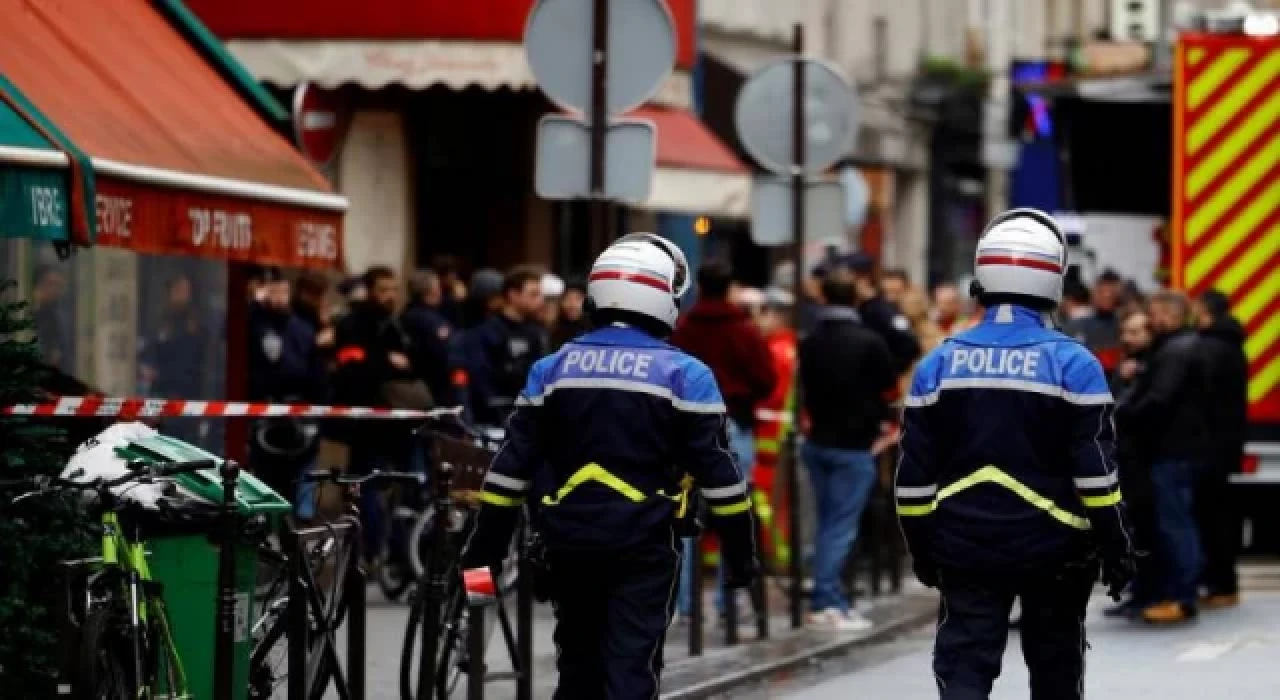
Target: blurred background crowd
point(1176, 365)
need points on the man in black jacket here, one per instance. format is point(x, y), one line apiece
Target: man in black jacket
point(881, 315)
point(845, 369)
point(430, 333)
point(499, 352)
point(1133, 455)
point(1168, 411)
point(1222, 343)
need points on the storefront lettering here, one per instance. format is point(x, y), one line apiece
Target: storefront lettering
point(317, 241)
point(221, 229)
point(115, 216)
point(46, 209)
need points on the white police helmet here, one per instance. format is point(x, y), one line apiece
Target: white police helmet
point(640, 273)
point(1023, 253)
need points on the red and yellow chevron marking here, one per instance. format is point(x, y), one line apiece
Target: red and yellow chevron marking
point(1226, 191)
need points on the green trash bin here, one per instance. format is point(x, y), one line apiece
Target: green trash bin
point(187, 566)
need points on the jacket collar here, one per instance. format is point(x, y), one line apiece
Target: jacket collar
point(620, 335)
point(830, 314)
point(1012, 314)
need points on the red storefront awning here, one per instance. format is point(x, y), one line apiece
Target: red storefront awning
point(695, 172)
point(461, 20)
point(183, 164)
point(410, 43)
point(685, 142)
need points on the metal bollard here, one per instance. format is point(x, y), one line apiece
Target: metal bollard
point(476, 667)
point(894, 536)
point(225, 624)
point(524, 625)
point(296, 611)
point(760, 595)
point(792, 465)
point(356, 592)
point(695, 597)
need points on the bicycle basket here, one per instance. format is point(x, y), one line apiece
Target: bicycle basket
point(470, 464)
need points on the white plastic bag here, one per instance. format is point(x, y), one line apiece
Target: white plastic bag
point(97, 459)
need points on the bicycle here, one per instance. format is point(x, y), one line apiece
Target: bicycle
point(440, 618)
point(268, 656)
point(409, 514)
point(125, 649)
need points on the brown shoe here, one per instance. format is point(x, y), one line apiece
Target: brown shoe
point(1167, 613)
point(1219, 601)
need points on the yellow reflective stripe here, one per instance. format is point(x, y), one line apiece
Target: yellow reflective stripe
point(686, 485)
point(990, 474)
point(1102, 501)
point(763, 509)
point(594, 472)
point(496, 499)
point(732, 509)
point(767, 445)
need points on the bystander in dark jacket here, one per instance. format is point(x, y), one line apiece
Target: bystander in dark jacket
point(880, 315)
point(1167, 408)
point(846, 370)
point(430, 334)
point(1167, 412)
point(372, 352)
point(1222, 345)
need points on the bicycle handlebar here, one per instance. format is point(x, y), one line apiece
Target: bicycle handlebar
point(138, 472)
point(334, 476)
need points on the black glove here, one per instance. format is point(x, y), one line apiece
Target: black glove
point(741, 572)
point(1118, 570)
point(925, 571)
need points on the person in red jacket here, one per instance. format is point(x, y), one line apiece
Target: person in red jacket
point(773, 421)
point(724, 337)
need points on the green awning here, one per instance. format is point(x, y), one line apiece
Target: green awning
point(40, 197)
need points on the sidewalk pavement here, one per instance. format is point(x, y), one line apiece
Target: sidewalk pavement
point(717, 670)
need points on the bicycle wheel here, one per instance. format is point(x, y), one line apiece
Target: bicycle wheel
point(103, 671)
point(450, 645)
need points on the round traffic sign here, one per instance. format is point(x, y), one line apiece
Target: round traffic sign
point(641, 51)
point(319, 122)
point(763, 116)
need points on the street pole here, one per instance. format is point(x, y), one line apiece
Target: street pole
point(797, 254)
point(1163, 58)
point(598, 208)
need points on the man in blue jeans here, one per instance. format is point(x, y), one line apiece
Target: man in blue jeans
point(846, 370)
point(724, 337)
point(1166, 411)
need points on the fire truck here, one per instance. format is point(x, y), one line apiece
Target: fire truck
point(1225, 224)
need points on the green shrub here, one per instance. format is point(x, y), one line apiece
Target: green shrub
point(37, 533)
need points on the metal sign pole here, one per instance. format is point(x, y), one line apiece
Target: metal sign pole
point(598, 215)
point(797, 221)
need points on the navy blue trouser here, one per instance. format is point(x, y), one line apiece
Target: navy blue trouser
point(612, 612)
point(1174, 485)
point(973, 628)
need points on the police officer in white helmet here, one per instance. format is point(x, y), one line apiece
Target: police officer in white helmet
point(610, 440)
point(1007, 488)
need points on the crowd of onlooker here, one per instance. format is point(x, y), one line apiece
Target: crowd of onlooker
point(1177, 369)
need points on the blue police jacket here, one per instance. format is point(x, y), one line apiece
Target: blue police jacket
point(600, 443)
point(1007, 451)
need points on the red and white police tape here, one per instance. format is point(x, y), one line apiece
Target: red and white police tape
point(126, 408)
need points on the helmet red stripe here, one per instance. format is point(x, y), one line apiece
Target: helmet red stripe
point(1020, 262)
point(637, 277)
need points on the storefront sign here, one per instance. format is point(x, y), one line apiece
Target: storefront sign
point(34, 203)
point(179, 222)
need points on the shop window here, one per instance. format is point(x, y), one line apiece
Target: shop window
point(126, 324)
